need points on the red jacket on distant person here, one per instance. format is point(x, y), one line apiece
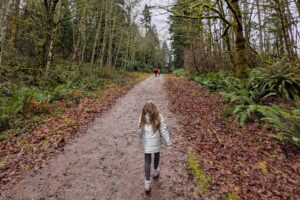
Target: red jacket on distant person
point(155, 69)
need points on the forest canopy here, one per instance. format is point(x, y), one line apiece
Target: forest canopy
point(249, 52)
point(101, 33)
point(54, 51)
point(229, 34)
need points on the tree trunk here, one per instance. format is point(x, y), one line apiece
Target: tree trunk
point(226, 37)
point(260, 31)
point(96, 40)
point(53, 35)
point(284, 27)
point(49, 58)
point(48, 33)
point(240, 42)
point(105, 33)
point(119, 46)
point(14, 24)
point(195, 60)
point(5, 8)
point(77, 44)
point(84, 35)
point(131, 50)
point(209, 43)
point(289, 22)
point(110, 43)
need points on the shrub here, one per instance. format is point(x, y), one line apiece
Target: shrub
point(287, 121)
point(282, 78)
point(59, 92)
point(242, 113)
point(213, 80)
point(179, 72)
point(246, 102)
point(4, 121)
point(12, 105)
point(30, 93)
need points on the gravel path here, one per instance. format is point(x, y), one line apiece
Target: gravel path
point(107, 162)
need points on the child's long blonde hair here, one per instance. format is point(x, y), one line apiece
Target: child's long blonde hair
point(151, 109)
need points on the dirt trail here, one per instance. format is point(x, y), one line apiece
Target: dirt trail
point(107, 162)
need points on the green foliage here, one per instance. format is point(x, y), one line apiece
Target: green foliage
point(58, 92)
point(243, 112)
point(11, 105)
point(244, 101)
point(282, 78)
point(287, 121)
point(66, 83)
point(179, 72)
point(241, 91)
point(248, 96)
point(213, 80)
point(227, 112)
point(121, 44)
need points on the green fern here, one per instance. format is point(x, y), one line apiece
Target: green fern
point(12, 105)
point(242, 113)
point(287, 121)
point(4, 121)
point(59, 92)
point(281, 78)
point(213, 80)
point(179, 72)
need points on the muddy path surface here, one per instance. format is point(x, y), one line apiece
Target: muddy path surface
point(107, 162)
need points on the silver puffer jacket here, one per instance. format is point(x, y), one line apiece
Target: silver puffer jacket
point(151, 139)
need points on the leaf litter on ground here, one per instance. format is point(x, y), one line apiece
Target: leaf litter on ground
point(242, 162)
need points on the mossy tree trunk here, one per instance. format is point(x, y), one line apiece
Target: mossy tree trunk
point(50, 8)
point(240, 41)
point(14, 24)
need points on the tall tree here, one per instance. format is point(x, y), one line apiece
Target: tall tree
point(5, 9)
point(49, 13)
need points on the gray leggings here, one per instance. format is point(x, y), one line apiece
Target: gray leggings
point(148, 163)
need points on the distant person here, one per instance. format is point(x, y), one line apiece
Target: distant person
point(153, 129)
point(155, 70)
point(158, 72)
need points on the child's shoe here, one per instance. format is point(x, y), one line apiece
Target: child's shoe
point(156, 173)
point(147, 186)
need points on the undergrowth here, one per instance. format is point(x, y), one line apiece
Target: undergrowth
point(255, 98)
point(212, 80)
point(27, 97)
point(179, 72)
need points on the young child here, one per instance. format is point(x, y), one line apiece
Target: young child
point(153, 129)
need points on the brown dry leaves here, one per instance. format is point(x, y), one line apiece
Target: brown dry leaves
point(240, 161)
